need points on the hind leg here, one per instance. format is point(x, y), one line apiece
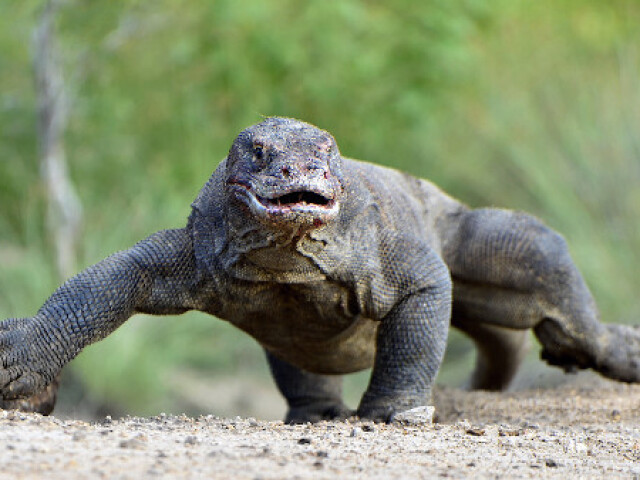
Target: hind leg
point(510, 270)
point(311, 397)
point(500, 352)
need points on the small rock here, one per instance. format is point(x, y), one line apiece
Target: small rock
point(191, 440)
point(355, 431)
point(581, 448)
point(551, 463)
point(137, 443)
point(132, 443)
point(416, 416)
point(475, 431)
point(304, 441)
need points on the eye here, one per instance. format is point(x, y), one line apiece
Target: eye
point(258, 152)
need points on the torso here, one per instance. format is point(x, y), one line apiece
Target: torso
point(301, 302)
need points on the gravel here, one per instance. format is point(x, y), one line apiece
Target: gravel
point(564, 432)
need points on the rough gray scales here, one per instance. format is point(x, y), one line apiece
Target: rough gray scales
point(333, 265)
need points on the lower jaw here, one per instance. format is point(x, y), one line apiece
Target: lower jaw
point(289, 215)
point(296, 221)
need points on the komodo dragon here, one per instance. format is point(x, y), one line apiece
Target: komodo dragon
point(333, 265)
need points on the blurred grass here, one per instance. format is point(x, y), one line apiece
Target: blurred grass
point(525, 105)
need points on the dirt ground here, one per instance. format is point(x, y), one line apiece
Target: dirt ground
point(590, 430)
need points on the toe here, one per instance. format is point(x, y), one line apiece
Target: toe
point(23, 386)
point(8, 375)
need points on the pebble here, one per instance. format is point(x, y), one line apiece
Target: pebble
point(191, 440)
point(137, 443)
point(416, 416)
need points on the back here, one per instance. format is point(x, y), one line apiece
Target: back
point(406, 204)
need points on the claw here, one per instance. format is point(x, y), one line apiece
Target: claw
point(4, 378)
point(318, 412)
point(43, 402)
point(379, 414)
point(7, 376)
point(24, 386)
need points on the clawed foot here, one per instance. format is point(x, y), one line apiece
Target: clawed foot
point(318, 411)
point(622, 358)
point(380, 414)
point(391, 408)
point(42, 402)
point(20, 375)
point(377, 413)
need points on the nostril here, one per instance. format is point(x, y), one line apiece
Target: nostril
point(316, 169)
point(286, 172)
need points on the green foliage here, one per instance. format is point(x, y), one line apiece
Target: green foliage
point(528, 105)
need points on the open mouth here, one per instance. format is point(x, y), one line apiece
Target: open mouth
point(293, 199)
point(298, 205)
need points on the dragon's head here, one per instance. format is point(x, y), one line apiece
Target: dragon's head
point(285, 173)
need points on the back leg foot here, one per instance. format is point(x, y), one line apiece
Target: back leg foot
point(311, 397)
point(622, 359)
point(612, 350)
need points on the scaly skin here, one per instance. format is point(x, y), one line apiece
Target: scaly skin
point(334, 266)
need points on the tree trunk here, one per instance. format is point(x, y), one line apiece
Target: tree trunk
point(64, 210)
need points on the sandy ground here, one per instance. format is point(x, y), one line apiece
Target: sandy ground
point(568, 431)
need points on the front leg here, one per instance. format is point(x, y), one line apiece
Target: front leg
point(156, 276)
point(412, 336)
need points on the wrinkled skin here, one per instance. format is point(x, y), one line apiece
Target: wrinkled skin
point(334, 266)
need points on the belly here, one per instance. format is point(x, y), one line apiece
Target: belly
point(315, 326)
point(350, 350)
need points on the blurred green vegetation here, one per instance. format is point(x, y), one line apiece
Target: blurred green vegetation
point(524, 105)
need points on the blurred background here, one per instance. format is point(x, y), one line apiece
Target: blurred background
point(525, 105)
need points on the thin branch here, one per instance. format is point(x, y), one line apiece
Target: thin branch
point(64, 210)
